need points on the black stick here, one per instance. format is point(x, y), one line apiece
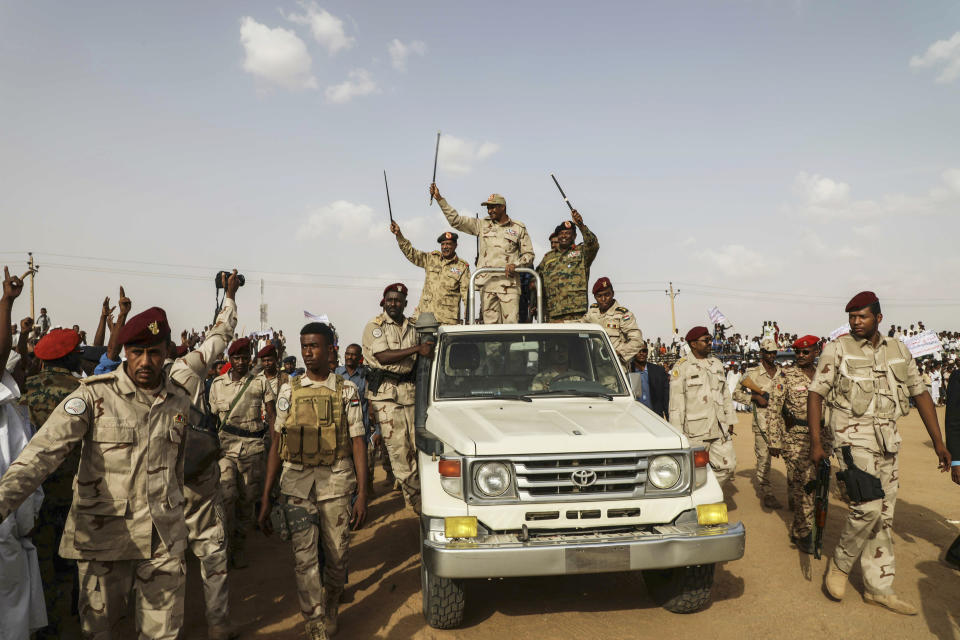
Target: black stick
point(477, 258)
point(436, 152)
point(565, 199)
point(389, 208)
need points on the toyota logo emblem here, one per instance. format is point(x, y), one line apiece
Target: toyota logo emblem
point(583, 477)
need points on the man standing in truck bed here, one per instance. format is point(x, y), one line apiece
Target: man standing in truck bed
point(447, 277)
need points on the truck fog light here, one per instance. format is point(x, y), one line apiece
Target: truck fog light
point(663, 472)
point(492, 479)
point(712, 513)
point(460, 527)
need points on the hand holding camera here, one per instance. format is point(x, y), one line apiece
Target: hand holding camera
point(230, 281)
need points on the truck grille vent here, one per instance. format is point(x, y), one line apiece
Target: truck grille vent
point(613, 475)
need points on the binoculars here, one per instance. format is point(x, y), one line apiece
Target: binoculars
point(221, 279)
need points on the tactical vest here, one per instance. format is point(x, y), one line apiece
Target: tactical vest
point(865, 385)
point(315, 432)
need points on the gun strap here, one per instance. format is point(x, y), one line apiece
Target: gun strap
point(848, 457)
point(236, 399)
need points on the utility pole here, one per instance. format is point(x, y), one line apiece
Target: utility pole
point(673, 312)
point(263, 308)
point(33, 315)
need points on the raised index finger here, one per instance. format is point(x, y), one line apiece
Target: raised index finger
point(6, 273)
point(122, 294)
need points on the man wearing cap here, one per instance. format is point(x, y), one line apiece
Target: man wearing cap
point(867, 380)
point(767, 377)
point(126, 524)
point(390, 349)
point(701, 406)
point(447, 277)
point(565, 272)
point(504, 244)
point(786, 415)
point(276, 377)
point(240, 398)
point(617, 321)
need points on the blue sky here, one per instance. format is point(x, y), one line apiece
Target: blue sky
point(736, 148)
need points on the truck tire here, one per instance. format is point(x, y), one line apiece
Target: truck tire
point(443, 601)
point(682, 589)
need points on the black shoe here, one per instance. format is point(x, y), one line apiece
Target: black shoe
point(804, 544)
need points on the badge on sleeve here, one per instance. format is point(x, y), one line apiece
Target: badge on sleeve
point(75, 406)
point(378, 332)
point(179, 419)
point(676, 373)
point(355, 401)
point(283, 404)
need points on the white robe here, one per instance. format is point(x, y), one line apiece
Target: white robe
point(21, 591)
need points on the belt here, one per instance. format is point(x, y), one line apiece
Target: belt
point(797, 422)
point(243, 433)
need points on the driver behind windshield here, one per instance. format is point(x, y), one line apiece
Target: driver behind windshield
point(556, 366)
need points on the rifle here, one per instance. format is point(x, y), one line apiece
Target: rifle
point(389, 208)
point(436, 152)
point(821, 500)
point(565, 199)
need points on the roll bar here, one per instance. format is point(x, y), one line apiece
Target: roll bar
point(471, 298)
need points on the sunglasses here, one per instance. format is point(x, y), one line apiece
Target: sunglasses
point(805, 352)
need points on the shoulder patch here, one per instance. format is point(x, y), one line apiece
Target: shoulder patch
point(676, 372)
point(377, 333)
point(75, 406)
point(283, 404)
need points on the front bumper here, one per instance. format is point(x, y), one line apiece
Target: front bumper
point(504, 555)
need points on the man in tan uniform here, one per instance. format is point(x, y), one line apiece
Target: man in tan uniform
point(768, 377)
point(126, 525)
point(447, 277)
point(324, 460)
point(240, 399)
point(275, 376)
point(617, 321)
point(867, 380)
point(504, 244)
point(389, 350)
point(701, 406)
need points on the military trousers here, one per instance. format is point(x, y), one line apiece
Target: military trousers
point(241, 485)
point(158, 584)
point(206, 536)
point(332, 537)
point(59, 575)
point(723, 458)
point(868, 532)
point(762, 451)
point(500, 308)
point(396, 426)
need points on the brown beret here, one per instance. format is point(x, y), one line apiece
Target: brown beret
point(861, 300)
point(396, 286)
point(601, 284)
point(696, 333)
point(147, 328)
point(57, 344)
point(447, 235)
point(239, 345)
point(268, 350)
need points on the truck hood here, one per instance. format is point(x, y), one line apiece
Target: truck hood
point(549, 425)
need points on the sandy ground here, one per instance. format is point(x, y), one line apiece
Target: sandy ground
point(774, 591)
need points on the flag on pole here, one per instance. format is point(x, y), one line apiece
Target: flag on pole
point(309, 316)
point(715, 316)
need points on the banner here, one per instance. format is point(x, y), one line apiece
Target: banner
point(715, 316)
point(309, 316)
point(922, 344)
point(840, 331)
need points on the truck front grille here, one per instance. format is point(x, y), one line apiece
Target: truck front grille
point(601, 476)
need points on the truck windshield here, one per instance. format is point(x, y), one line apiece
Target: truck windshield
point(519, 363)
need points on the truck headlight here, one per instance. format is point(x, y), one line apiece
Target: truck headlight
point(492, 479)
point(663, 472)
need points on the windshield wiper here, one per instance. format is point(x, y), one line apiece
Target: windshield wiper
point(502, 396)
point(572, 392)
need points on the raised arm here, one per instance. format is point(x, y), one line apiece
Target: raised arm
point(217, 337)
point(12, 288)
point(591, 246)
point(457, 221)
point(415, 256)
point(105, 312)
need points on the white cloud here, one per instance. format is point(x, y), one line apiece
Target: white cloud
point(276, 56)
point(941, 51)
point(458, 156)
point(737, 261)
point(327, 29)
point(345, 220)
point(399, 52)
point(358, 83)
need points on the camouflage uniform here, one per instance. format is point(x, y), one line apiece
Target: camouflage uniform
point(764, 438)
point(445, 285)
point(324, 491)
point(621, 326)
point(126, 524)
point(43, 392)
point(787, 418)
point(701, 407)
point(867, 388)
point(565, 275)
point(393, 403)
point(500, 245)
point(243, 457)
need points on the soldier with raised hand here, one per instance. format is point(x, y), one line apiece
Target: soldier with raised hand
point(768, 377)
point(701, 406)
point(565, 272)
point(447, 277)
point(503, 243)
point(867, 380)
point(126, 524)
point(240, 398)
point(618, 322)
point(320, 442)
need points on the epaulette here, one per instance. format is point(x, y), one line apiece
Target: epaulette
point(380, 319)
point(434, 253)
point(518, 223)
point(594, 306)
point(623, 310)
point(180, 386)
point(680, 361)
point(103, 377)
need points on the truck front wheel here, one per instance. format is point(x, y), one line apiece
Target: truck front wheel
point(443, 601)
point(682, 589)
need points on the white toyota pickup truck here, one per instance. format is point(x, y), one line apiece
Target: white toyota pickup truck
point(536, 460)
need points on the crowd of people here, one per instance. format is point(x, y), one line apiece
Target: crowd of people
point(125, 452)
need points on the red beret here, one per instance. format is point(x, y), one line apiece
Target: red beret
point(148, 327)
point(601, 284)
point(182, 350)
point(696, 333)
point(447, 235)
point(566, 225)
point(861, 300)
point(238, 345)
point(268, 350)
point(805, 341)
point(57, 344)
point(396, 286)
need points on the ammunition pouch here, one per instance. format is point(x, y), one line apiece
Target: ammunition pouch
point(376, 377)
point(861, 486)
point(201, 444)
point(288, 520)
